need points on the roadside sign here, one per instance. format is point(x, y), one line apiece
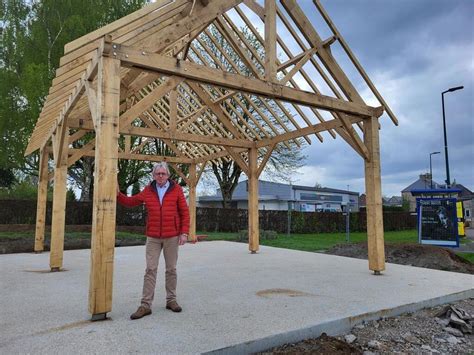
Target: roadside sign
point(437, 221)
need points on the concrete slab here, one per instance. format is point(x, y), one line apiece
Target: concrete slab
point(233, 301)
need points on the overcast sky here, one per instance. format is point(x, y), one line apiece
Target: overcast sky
point(412, 50)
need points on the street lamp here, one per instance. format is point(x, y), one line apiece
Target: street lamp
point(448, 181)
point(431, 172)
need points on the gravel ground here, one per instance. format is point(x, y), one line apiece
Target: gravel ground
point(421, 332)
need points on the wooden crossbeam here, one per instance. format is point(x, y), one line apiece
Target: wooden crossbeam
point(319, 127)
point(171, 66)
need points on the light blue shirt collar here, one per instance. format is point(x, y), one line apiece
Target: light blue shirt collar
point(161, 190)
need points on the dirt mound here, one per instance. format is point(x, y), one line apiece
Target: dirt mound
point(427, 256)
point(25, 244)
point(319, 346)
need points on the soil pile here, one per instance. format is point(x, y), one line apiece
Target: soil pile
point(427, 256)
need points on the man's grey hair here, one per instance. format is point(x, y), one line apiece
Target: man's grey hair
point(160, 165)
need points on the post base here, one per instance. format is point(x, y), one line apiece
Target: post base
point(377, 273)
point(253, 252)
point(55, 269)
point(99, 316)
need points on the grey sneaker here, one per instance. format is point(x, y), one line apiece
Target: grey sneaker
point(141, 312)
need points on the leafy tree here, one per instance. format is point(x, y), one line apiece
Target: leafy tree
point(7, 178)
point(32, 38)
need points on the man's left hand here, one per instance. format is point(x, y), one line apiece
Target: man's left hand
point(182, 239)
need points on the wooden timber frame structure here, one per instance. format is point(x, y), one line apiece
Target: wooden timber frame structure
point(199, 77)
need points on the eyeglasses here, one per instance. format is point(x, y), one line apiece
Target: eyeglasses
point(161, 174)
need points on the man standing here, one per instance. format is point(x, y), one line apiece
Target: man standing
point(167, 227)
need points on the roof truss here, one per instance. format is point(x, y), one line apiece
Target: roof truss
point(202, 79)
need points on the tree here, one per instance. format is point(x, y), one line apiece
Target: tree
point(32, 38)
point(212, 49)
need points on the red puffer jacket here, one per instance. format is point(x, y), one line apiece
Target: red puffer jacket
point(164, 221)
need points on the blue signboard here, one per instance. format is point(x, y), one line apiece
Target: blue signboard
point(437, 221)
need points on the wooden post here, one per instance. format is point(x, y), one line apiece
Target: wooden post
point(270, 40)
point(253, 201)
point(42, 200)
point(105, 188)
point(59, 206)
point(192, 202)
point(373, 192)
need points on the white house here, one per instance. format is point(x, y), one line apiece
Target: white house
point(277, 196)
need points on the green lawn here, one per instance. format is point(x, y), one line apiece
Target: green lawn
point(318, 242)
point(305, 242)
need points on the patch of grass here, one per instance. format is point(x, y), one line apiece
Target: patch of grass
point(322, 241)
point(467, 256)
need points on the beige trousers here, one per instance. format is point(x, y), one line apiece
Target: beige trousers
point(153, 251)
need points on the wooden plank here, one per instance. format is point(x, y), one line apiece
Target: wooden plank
point(39, 140)
point(151, 20)
point(105, 191)
point(373, 190)
point(238, 82)
point(91, 36)
point(42, 200)
point(270, 40)
point(253, 202)
point(203, 14)
point(92, 46)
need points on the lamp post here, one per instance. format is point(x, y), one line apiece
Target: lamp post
point(431, 171)
point(448, 181)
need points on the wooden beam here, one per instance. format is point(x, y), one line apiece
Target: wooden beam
point(42, 200)
point(114, 26)
point(267, 156)
point(191, 71)
point(238, 160)
point(160, 134)
point(212, 140)
point(253, 202)
point(105, 191)
point(355, 61)
point(318, 127)
point(173, 110)
point(156, 42)
point(193, 180)
point(59, 209)
point(324, 53)
point(144, 104)
point(270, 40)
point(373, 190)
point(216, 109)
point(79, 153)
